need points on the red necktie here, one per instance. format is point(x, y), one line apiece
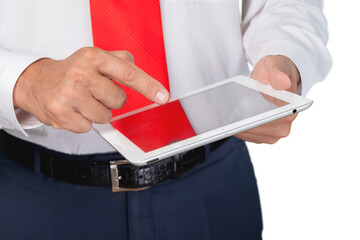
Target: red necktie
point(135, 26)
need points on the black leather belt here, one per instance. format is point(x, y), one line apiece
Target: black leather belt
point(93, 170)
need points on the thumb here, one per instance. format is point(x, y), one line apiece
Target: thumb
point(278, 79)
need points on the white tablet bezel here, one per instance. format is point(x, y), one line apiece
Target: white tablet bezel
point(138, 157)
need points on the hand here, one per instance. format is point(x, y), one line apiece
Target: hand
point(75, 92)
point(281, 73)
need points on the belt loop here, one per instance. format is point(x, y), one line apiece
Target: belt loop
point(207, 151)
point(177, 162)
point(37, 161)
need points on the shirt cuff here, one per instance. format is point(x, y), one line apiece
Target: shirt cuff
point(302, 61)
point(12, 66)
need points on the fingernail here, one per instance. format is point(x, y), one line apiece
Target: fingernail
point(160, 97)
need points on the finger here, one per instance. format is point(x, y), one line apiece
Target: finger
point(75, 122)
point(256, 138)
point(94, 111)
point(288, 119)
point(274, 125)
point(269, 133)
point(277, 130)
point(263, 135)
point(130, 75)
point(291, 118)
point(124, 55)
point(107, 92)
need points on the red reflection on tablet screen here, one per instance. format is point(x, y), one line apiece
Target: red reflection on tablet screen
point(156, 127)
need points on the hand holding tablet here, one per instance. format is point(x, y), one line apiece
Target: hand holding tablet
point(282, 74)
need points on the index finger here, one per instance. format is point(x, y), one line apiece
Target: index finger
point(131, 76)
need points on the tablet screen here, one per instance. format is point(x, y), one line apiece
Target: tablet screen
point(189, 116)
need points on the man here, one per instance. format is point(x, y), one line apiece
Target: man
point(54, 85)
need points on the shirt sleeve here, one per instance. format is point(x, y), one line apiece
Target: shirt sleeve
point(11, 67)
point(293, 28)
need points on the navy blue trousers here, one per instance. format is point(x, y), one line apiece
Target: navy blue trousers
point(217, 199)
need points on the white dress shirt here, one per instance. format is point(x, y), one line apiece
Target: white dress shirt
point(205, 41)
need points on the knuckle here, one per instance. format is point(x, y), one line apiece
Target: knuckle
point(75, 74)
point(119, 101)
point(83, 128)
point(58, 123)
point(106, 117)
point(129, 73)
point(117, 98)
point(127, 55)
point(86, 128)
point(56, 107)
point(67, 94)
point(59, 113)
point(89, 53)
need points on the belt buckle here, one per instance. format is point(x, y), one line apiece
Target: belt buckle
point(115, 178)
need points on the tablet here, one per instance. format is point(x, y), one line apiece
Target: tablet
point(200, 117)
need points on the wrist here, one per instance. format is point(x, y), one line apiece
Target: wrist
point(24, 85)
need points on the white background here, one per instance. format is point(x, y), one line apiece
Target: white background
point(310, 182)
